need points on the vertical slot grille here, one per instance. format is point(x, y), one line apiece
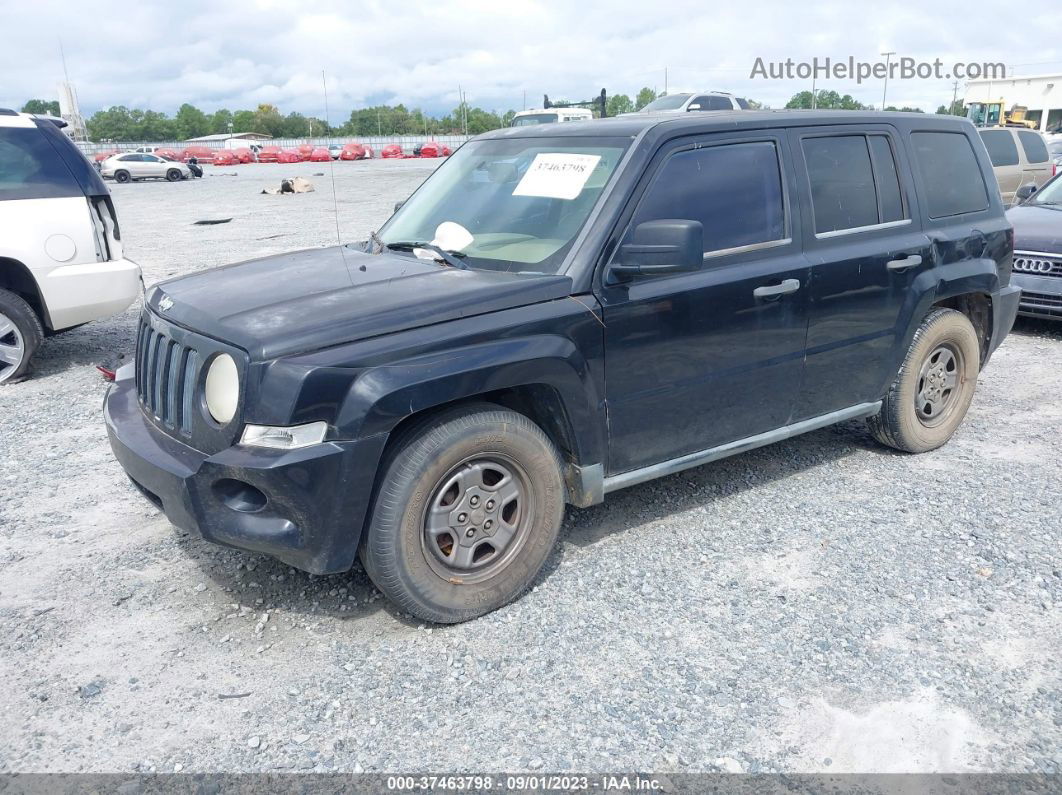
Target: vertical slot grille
point(166, 374)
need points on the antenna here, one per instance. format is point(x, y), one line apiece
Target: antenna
point(332, 169)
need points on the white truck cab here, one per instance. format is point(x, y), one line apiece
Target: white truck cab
point(551, 116)
point(61, 261)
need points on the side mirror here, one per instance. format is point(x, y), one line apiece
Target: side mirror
point(660, 247)
point(1025, 192)
point(398, 205)
point(694, 106)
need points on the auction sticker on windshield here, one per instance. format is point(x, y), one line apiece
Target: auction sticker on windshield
point(557, 175)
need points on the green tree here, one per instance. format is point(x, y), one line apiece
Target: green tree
point(219, 121)
point(645, 96)
point(190, 122)
point(619, 103)
point(905, 109)
point(51, 107)
point(113, 124)
point(267, 119)
point(244, 121)
point(827, 100)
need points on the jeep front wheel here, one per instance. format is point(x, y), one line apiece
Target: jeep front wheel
point(467, 513)
point(934, 387)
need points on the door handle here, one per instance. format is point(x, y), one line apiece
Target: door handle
point(905, 263)
point(775, 290)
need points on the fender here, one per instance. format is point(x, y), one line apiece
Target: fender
point(382, 396)
point(973, 275)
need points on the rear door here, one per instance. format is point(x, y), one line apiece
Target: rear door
point(866, 248)
point(1006, 162)
point(1037, 167)
point(695, 360)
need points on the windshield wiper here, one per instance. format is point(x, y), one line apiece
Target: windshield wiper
point(449, 257)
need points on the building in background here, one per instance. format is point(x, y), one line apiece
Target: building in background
point(1040, 94)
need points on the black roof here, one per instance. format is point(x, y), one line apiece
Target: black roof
point(717, 121)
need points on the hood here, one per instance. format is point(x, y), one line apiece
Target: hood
point(307, 300)
point(1037, 228)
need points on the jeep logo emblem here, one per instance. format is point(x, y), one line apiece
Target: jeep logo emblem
point(165, 303)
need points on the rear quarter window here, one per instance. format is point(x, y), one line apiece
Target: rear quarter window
point(950, 173)
point(31, 169)
point(1001, 147)
point(1034, 146)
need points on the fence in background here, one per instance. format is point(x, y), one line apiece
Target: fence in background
point(407, 142)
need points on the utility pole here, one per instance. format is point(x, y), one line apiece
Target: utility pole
point(813, 89)
point(665, 81)
point(954, 96)
point(887, 55)
point(523, 105)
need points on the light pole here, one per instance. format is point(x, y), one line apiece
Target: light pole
point(887, 55)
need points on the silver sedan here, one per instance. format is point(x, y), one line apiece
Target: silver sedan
point(140, 165)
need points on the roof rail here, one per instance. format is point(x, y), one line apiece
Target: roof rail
point(8, 112)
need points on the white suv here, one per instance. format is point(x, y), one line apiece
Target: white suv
point(61, 261)
point(693, 101)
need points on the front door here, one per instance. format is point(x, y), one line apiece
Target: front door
point(695, 360)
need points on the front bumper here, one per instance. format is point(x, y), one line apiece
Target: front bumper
point(305, 507)
point(1041, 295)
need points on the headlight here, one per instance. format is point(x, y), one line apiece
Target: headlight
point(281, 438)
point(222, 388)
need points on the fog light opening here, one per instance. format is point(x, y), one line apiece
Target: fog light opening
point(239, 496)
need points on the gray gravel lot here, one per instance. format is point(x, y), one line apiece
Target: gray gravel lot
point(819, 605)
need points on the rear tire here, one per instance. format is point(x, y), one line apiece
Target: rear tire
point(173, 175)
point(20, 336)
point(468, 511)
point(121, 176)
point(934, 386)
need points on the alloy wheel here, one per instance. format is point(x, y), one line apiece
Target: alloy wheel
point(12, 347)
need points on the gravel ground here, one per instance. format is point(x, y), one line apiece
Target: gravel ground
point(819, 605)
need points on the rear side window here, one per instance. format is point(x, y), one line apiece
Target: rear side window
point(1001, 147)
point(733, 190)
point(950, 173)
point(31, 169)
point(842, 182)
point(1034, 146)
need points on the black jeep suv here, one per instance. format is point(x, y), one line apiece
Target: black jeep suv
point(558, 312)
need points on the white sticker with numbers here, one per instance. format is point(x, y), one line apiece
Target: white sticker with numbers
point(557, 175)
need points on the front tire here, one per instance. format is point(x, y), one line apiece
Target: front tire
point(934, 387)
point(121, 176)
point(20, 336)
point(467, 513)
point(173, 175)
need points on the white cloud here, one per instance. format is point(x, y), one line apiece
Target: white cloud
point(238, 54)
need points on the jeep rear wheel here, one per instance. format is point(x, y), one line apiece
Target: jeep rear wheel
point(467, 513)
point(934, 387)
point(20, 336)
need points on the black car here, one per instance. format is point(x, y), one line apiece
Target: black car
point(558, 312)
point(1038, 249)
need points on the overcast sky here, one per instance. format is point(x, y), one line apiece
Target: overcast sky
point(235, 54)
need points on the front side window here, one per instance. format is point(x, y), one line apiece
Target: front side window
point(30, 168)
point(1001, 147)
point(718, 103)
point(1034, 146)
point(733, 190)
point(950, 173)
point(520, 201)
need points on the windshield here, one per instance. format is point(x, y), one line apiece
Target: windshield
point(1051, 193)
point(670, 102)
point(535, 118)
point(520, 201)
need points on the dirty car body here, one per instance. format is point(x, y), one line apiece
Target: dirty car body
point(632, 371)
